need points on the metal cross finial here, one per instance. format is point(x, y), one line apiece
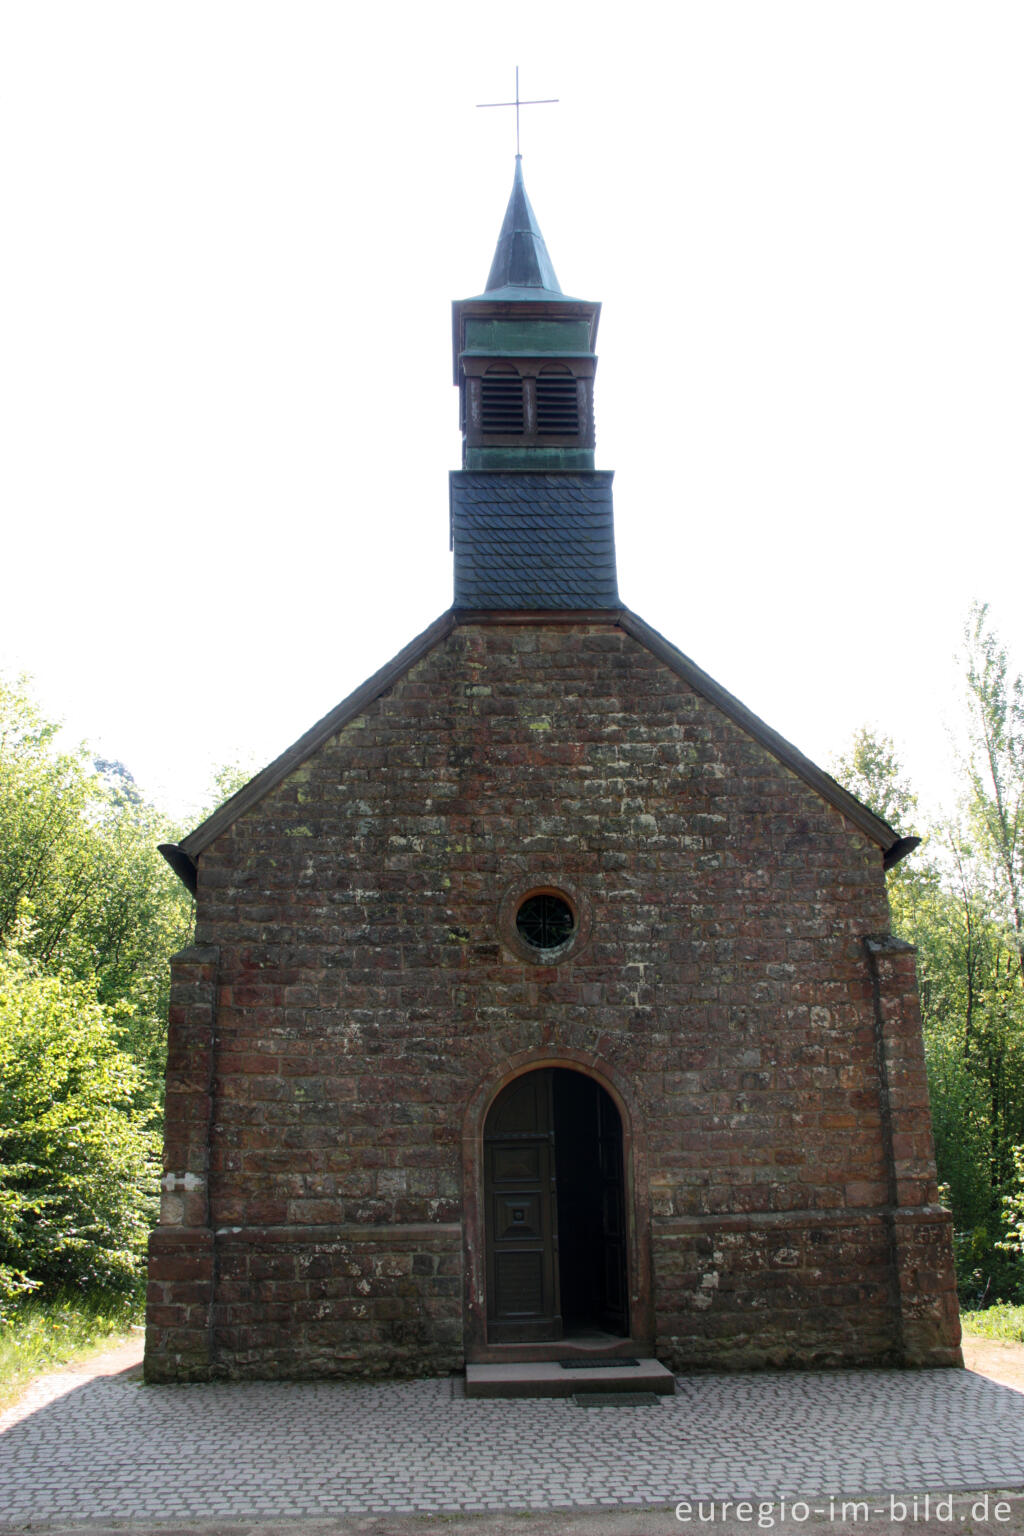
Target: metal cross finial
point(546, 101)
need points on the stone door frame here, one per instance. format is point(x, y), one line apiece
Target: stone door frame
point(636, 1195)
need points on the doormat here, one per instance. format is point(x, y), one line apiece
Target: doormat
point(596, 1365)
point(616, 1399)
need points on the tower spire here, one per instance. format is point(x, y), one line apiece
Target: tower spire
point(521, 260)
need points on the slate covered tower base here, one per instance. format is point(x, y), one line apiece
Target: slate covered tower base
point(407, 1129)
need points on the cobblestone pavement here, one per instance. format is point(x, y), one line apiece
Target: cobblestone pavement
point(112, 1449)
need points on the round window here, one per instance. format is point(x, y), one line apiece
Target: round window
point(545, 921)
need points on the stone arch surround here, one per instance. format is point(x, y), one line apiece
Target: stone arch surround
point(637, 1201)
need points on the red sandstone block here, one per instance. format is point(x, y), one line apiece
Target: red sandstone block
point(247, 1063)
point(859, 1192)
point(193, 1213)
point(190, 1341)
point(266, 1212)
point(313, 1212)
point(158, 1316)
point(228, 1211)
point(281, 1265)
point(185, 1157)
point(187, 1108)
point(174, 1268)
point(914, 1191)
point(838, 1120)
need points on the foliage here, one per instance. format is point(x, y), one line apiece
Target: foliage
point(41, 1335)
point(1013, 1208)
point(77, 1147)
point(83, 889)
point(1003, 1321)
point(870, 769)
point(995, 769)
point(227, 780)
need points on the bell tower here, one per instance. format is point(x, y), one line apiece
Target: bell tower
point(531, 517)
point(524, 357)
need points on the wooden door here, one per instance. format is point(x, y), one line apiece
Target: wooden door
point(521, 1213)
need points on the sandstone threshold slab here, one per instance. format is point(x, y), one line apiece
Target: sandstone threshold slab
point(548, 1378)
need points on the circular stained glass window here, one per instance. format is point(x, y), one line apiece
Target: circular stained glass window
point(545, 921)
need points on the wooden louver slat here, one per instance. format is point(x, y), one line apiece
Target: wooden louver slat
point(501, 402)
point(557, 408)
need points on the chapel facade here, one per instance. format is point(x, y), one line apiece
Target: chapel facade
point(543, 1000)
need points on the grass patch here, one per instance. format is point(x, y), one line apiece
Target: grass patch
point(39, 1336)
point(1003, 1321)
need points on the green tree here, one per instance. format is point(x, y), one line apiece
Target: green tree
point(870, 768)
point(227, 780)
point(995, 767)
point(81, 879)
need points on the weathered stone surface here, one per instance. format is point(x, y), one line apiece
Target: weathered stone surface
point(350, 993)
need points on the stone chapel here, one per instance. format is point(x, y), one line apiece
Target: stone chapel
point(542, 1002)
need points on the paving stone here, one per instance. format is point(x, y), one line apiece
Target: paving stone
point(110, 1450)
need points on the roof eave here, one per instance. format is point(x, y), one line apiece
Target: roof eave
point(538, 303)
point(183, 865)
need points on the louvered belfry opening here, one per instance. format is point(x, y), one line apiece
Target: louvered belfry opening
point(558, 412)
point(524, 360)
point(528, 407)
point(501, 404)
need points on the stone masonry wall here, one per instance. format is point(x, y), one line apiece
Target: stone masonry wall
point(364, 993)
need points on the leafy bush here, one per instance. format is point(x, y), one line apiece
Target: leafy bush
point(78, 1171)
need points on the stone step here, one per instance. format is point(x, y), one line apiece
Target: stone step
point(546, 1378)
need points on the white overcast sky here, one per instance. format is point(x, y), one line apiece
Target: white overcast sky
point(232, 233)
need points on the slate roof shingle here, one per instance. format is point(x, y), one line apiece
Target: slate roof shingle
point(525, 540)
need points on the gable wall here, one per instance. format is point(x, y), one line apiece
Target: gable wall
point(364, 994)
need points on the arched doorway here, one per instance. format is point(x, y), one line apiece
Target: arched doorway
point(554, 1211)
